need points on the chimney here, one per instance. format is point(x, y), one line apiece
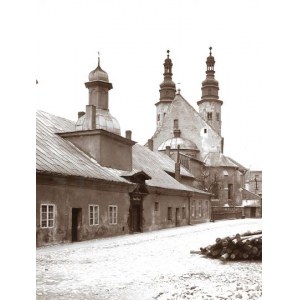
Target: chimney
point(91, 116)
point(150, 144)
point(177, 165)
point(80, 114)
point(168, 150)
point(128, 134)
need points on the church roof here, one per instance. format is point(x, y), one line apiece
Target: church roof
point(184, 144)
point(104, 120)
point(241, 167)
point(217, 159)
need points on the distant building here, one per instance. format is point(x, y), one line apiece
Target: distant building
point(253, 182)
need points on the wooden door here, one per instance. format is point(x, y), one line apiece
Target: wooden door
point(136, 218)
point(76, 223)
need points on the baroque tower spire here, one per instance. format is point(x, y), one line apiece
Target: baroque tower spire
point(167, 91)
point(210, 105)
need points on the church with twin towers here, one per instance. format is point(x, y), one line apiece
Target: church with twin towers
point(92, 182)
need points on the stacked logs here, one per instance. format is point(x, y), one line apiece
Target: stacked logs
point(246, 246)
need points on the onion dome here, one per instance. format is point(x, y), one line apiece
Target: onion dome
point(98, 74)
point(104, 120)
point(178, 141)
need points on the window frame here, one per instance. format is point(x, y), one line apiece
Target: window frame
point(113, 218)
point(95, 221)
point(47, 215)
point(156, 206)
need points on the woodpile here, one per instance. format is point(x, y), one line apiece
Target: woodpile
point(246, 246)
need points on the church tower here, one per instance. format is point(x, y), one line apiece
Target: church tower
point(210, 105)
point(167, 92)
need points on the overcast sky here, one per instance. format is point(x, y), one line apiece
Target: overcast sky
point(132, 38)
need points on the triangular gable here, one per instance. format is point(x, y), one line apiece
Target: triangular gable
point(191, 125)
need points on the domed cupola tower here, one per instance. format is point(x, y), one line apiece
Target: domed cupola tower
point(210, 105)
point(167, 91)
point(97, 114)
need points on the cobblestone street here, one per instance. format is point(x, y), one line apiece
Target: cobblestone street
point(152, 265)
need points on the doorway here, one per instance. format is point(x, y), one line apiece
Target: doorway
point(76, 223)
point(136, 218)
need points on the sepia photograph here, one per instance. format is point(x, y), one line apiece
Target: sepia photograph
point(151, 124)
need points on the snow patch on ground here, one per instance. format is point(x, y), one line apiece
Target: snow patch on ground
point(152, 265)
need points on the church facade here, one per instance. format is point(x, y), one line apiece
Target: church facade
point(194, 137)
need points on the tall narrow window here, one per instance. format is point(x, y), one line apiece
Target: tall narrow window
point(200, 208)
point(209, 116)
point(158, 117)
point(205, 130)
point(218, 116)
point(176, 123)
point(156, 206)
point(112, 214)
point(94, 214)
point(230, 191)
point(193, 208)
point(183, 213)
point(169, 213)
point(47, 215)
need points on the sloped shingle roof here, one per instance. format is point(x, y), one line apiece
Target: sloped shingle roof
point(216, 159)
point(57, 155)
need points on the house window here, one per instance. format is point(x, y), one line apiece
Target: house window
point(199, 209)
point(230, 191)
point(112, 214)
point(158, 117)
point(209, 116)
point(183, 213)
point(218, 116)
point(193, 208)
point(47, 215)
point(94, 214)
point(205, 130)
point(156, 206)
point(169, 213)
